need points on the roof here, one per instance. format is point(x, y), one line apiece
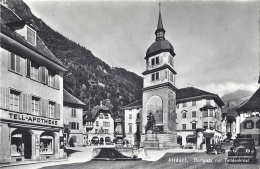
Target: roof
point(136, 104)
point(95, 112)
point(252, 103)
point(192, 92)
point(8, 17)
point(69, 98)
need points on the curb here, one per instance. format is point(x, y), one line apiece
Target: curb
point(31, 162)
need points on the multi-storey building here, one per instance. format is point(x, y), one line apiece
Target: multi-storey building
point(73, 117)
point(132, 120)
point(31, 93)
point(198, 109)
point(249, 118)
point(99, 125)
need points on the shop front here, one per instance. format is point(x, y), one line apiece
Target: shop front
point(29, 141)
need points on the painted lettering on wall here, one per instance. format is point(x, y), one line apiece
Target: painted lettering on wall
point(24, 117)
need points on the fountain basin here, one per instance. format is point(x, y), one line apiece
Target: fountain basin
point(118, 153)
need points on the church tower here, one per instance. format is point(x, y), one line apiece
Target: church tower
point(159, 91)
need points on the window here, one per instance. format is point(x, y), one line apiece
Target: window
point(207, 102)
point(153, 61)
point(171, 76)
point(205, 125)
point(97, 124)
point(211, 125)
point(31, 35)
point(171, 60)
point(205, 113)
point(14, 100)
point(15, 63)
point(51, 77)
point(35, 105)
point(184, 104)
point(193, 113)
point(51, 109)
point(74, 125)
point(96, 130)
point(101, 116)
point(211, 113)
point(35, 71)
point(193, 102)
point(249, 125)
point(130, 116)
point(155, 76)
point(184, 126)
point(130, 128)
point(46, 143)
point(106, 131)
point(193, 125)
point(106, 116)
point(157, 60)
point(184, 115)
point(106, 124)
point(73, 112)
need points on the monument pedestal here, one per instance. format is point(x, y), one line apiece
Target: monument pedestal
point(151, 139)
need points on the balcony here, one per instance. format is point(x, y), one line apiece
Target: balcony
point(89, 126)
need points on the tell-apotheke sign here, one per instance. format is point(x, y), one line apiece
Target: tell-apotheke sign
point(32, 119)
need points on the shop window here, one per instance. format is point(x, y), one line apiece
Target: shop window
point(16, 143)
point(15, 63)
point(73, 112)
point(35, 105)
point(46, 143)
point(193, 114)
point(14, 100)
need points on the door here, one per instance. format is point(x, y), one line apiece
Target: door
point(27, 141)
point(207, 141)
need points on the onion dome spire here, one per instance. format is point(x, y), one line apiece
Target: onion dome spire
point(160, 31)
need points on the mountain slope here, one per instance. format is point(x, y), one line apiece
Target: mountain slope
point(88, 76)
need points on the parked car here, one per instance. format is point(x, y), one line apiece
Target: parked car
point(215, 149)
point(243, 149)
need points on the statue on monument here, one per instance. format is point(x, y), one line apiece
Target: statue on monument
point(151, 123)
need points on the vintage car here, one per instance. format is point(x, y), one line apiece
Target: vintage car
point(243, 150)
point(215, 149)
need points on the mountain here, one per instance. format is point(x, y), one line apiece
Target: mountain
point(88, 76)
point(236, 98)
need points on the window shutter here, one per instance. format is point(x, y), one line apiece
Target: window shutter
point(21, 102)
point(70, 125)
point(25, 103)
point(57, 81)
point(29, 104)
point(45, 108)
point(43, 75)
point(252, 124)
point(17, 60)
point(46, 76)
point(40, 74)
point(28, 73)
point(7, 96)
point(57, 111)
point(77, 125)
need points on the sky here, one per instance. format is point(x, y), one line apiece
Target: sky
point(216, 42)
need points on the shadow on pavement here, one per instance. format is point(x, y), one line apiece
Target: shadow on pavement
point(71, 151)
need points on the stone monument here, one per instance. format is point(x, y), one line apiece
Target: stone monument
point(151, 139)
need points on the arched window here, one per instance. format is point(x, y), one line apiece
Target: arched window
point(16, 143)
point(46, 143)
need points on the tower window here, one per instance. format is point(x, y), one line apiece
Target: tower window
point(155, 76)
point(157, 60)
point(153, 62)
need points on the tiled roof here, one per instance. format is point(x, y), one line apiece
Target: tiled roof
point(251, 104)
point(7, 16)
point(232, 112)
point(95, 112)
point(190, 92)
point(69, 98)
